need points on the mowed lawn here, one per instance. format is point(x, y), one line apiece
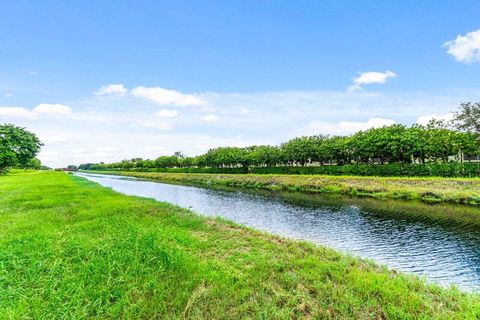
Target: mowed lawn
point(72, 249)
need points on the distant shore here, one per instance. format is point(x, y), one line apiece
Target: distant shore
point(429, 190)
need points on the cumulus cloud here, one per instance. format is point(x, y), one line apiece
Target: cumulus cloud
point(210, 118)
point(425, 119)
point(370, 78)
point(166, 113)
point(15, 112)
point(57, 109)
point(41, 109)
point(168, 97)
point(465, 48)
point(112, 89)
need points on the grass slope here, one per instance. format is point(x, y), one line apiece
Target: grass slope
point(71, 249)
point(430, 190)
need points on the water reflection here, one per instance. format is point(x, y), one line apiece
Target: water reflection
point(429, 244)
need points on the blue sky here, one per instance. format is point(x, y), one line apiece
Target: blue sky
point(107, 80)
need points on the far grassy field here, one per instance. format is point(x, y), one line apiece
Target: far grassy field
point(72, 249)
point(431, 190)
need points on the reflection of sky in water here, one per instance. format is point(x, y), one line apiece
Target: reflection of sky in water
point(444, 254)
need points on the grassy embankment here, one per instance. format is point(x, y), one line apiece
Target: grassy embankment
point(70, 248)
point(430, 190)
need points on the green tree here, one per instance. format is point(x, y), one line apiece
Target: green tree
point(266, 156)
point(33, 163)
point(468, 118)
point(440, 141)
point(301, 150)
point(338, 149)
point(17, 146)
point(167, 162)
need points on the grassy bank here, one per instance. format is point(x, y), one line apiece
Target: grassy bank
point(431, 190)
point(73, 249)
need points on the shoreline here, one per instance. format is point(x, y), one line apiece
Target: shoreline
point(465, 191)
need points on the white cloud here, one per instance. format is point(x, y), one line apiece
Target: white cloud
point(41, 109)
point(425, 119)
point(32, 73)
point(163, 125)
point(465, 48)
point(168, 97)
point(112, 89)
point(166, 113)
point(370, 78)
point(15, 112)
point(56, 109)
point(8, 94)
point(210, 118)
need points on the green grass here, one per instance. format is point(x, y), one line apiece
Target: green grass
point(71, 249)
point(429, 190)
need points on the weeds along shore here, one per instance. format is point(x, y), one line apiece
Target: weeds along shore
point(429, 190)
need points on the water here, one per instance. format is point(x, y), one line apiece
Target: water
point(443, 252)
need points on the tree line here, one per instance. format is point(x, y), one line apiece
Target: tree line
point(438, 142)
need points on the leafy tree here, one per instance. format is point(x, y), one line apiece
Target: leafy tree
point(17, 146)
point(86, 166)
point(338, 149)
point(187, 162)
point(300, 150)
point(33, 163)
point(200, 161)
point(439, 142)
point(266, 156)
point(468, 118)
point(148, 163)
point(466, 144)
point(179, 154)
point(166, 161)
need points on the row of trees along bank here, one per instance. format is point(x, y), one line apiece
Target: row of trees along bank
point(434, 150)
point(437, 149)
